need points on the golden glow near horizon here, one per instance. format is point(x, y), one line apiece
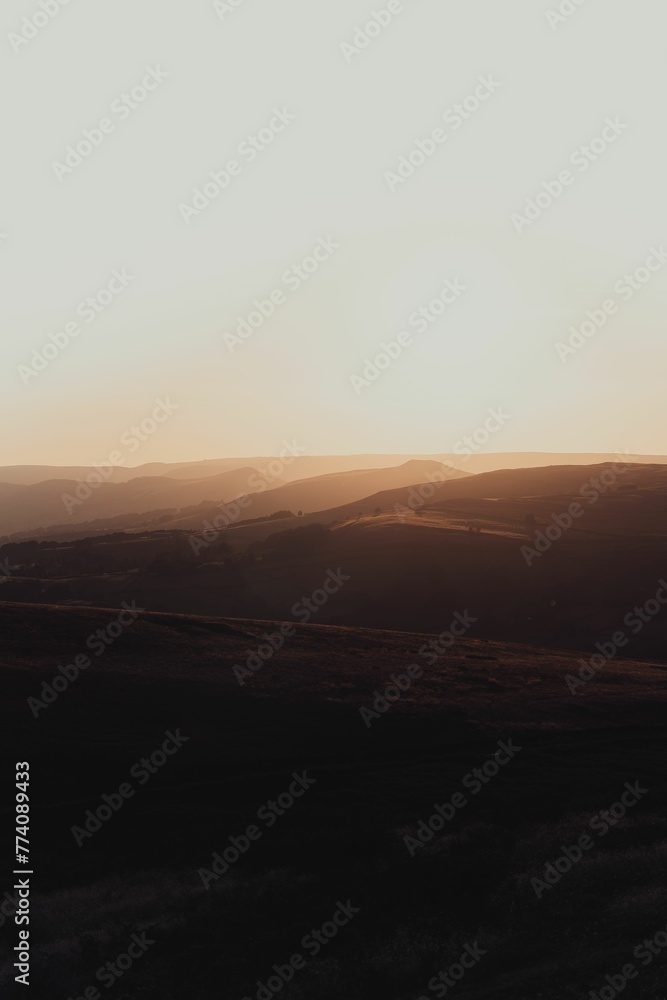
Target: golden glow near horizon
point(363, 227)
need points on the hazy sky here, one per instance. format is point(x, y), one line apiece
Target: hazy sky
point(223, 75)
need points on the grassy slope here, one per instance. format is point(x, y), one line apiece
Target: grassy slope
point(344, 839)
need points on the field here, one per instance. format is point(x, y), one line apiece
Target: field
point(345, 837)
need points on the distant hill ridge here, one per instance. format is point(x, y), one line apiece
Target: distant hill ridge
point(25, 508)
point(306, 466)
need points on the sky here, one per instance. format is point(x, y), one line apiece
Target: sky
point(372, 162)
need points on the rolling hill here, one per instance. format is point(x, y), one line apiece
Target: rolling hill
point(408, 566)
point(58, 501)
point(65, 503)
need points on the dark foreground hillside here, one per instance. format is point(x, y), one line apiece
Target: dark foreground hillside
point(350, 801)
